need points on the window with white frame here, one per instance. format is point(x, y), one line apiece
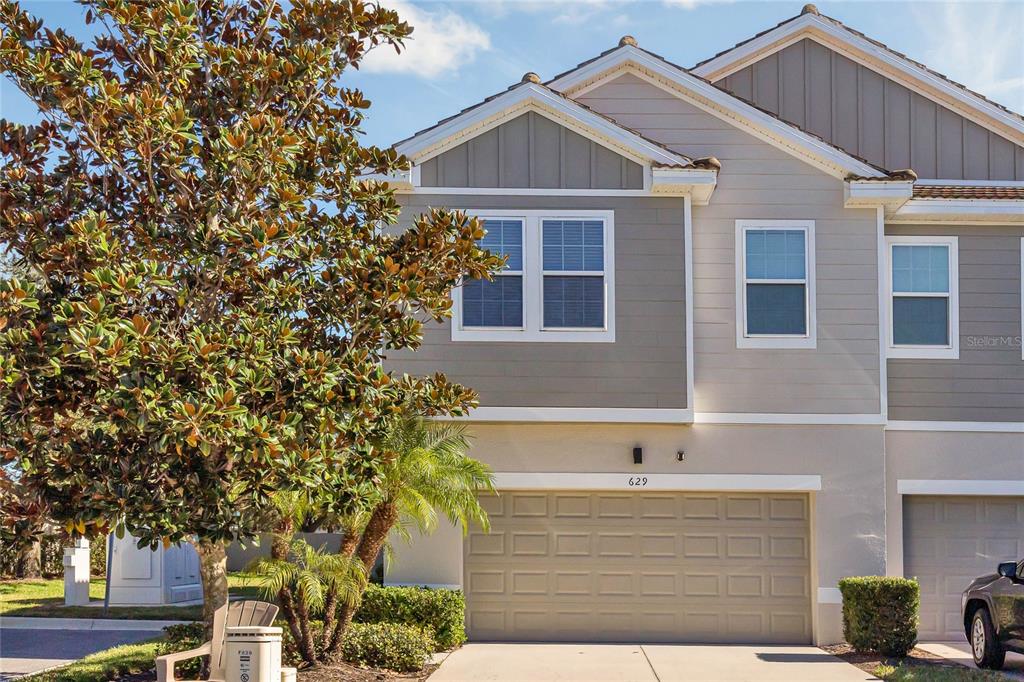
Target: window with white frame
point(775, 302)
point(924, 319)
point(557, 284)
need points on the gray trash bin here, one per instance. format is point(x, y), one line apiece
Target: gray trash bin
point(252, 654)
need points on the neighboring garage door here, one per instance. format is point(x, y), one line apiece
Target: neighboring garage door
point(947, 542)
point(670, 567)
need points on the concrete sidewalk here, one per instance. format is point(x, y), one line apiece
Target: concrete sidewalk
point(643, 663)
point(960, 652)
point(31, 623)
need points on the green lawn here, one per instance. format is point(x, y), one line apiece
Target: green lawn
point(45, 599)
point(104, 665)
point(934, 673)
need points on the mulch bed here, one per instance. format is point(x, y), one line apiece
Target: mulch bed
point(335, 672)
point(343, 672)
point(868, 661)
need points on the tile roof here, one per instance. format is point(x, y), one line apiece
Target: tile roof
point(884, 172)
point(874, 42)
point(529, 79)
point(968, 192)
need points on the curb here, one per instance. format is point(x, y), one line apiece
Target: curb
point(35, 623)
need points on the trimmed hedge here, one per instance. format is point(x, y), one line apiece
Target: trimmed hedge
point(880, 614)
point(443, 611)
point(182, 638)
point(398, 647)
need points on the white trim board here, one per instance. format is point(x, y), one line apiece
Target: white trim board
point(870, 55)
point(716, 102)
point(627, 480)
point(788, 419)
point(956, 427)
point(908, 486)
point(959, 211)
point(605, 415)
point(538, 98)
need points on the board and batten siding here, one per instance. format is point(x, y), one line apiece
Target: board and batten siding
point(987, 382)
point(645, 367)
point(872, 116)
point(531, 151)
point(759, 181)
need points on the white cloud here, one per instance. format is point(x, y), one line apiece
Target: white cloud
point(979, 45)
point(694, 4)
point(440, 43)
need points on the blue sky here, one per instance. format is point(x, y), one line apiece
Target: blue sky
point(466, 50)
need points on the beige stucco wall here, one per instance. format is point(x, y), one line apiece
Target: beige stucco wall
point(943, 455)
point(848, 520)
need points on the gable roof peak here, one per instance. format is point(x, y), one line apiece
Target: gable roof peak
point(627, 40)
point(530, 77)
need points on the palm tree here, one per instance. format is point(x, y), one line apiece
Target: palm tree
point(307, 583)
point(427, 473)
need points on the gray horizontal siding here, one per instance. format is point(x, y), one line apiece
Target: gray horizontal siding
point(874, 117)
point(531, 151)
point(987, 382)
point(758, 181)
point(646, 365)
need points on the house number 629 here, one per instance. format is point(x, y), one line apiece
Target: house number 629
point(637, 481)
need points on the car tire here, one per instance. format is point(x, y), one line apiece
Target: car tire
point(985, 647)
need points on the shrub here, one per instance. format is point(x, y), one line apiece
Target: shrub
point(880, 614)
point(182, 638)
point(443, 611)
point(403, 648)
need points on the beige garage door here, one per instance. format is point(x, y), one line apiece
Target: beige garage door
point(949, 541)
point(672, 567)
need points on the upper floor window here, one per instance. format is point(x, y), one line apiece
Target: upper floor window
point(775, 284)
point(924, 318)
point(557, 284)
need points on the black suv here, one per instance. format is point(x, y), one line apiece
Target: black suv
point(993, 611)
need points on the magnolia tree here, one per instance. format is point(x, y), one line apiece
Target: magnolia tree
point(211, 292)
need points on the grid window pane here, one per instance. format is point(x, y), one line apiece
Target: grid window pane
point(573, 245)
point(776, 309)
point(573, 302)
point(498, 303)
point(776, 254)
point(920, 321)
point(920, 268)
point(505, 238)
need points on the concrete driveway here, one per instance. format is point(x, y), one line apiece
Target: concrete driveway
point(643, 663)
point(961, 653)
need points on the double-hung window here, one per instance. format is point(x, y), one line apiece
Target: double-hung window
point(924, 318)
point(775, 303)
point(557, 284)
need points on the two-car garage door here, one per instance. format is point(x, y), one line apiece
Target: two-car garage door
point(674, 567)
point(947, 542)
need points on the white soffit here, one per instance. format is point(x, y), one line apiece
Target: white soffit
point(960, 211)
point(874, 57)
point(715, 101)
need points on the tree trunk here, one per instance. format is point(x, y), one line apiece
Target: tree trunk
point(349, 542)
point(367, 549)
point(30, 560)
point(213, 571)
point(281, 541)
point(375, 534)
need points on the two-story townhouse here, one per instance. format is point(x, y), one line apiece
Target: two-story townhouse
point(736, 353)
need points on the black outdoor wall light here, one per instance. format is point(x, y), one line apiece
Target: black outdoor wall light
point(638, 455)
